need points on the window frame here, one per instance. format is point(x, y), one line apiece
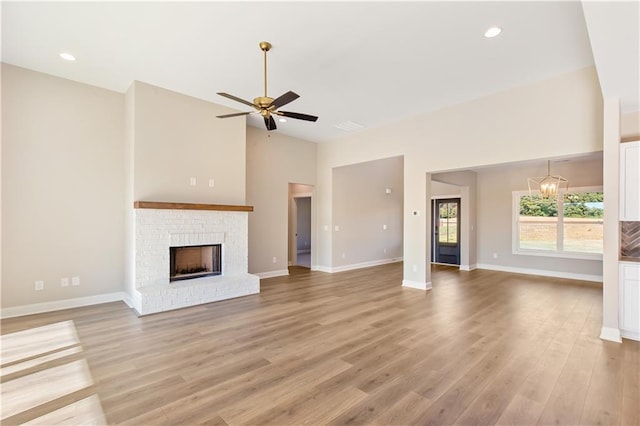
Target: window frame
point(559, 252)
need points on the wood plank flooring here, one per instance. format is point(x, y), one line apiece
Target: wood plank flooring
point(480, 348)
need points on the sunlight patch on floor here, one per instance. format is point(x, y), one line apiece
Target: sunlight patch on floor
point(45, 379)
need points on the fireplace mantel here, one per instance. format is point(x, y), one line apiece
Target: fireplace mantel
point(189, 206)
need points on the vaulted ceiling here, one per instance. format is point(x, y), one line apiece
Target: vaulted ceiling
point(368, 63)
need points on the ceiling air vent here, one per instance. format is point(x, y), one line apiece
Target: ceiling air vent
point(348, 126)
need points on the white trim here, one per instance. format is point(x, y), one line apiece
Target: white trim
point(446, 197)
point(557, 254)
point(363, 265)
point(611, 334)
point(37, 308)
point(469, 267)
point(417, 285)
point(629, 335)
point(541, 272)
point(303, 194)
point(271, 274)
point(321, 268)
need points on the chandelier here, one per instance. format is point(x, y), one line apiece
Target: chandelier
point(548, 185)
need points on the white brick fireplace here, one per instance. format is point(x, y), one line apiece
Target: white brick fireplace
point(158, 229)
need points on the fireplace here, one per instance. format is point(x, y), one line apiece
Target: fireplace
point(158, 227)
point(189, 262)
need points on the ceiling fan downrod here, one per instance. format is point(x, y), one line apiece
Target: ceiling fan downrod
point(264, 101)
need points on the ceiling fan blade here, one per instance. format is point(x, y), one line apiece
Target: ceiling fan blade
point(237, 114)
point(284, 99)
point(235, 98)
point(270, 123)
point(298, 116)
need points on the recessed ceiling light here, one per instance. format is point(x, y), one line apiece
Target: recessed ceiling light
point(67, 56)
point(492, 32)
point(282, 120)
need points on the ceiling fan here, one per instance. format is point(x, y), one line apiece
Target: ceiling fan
point(267, 106)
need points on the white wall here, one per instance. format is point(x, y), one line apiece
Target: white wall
point(630, 125)
point(556, 117)
point(495, 206)
point(62, 188)
point(273, 161)
point(361, 209)
point(439, 189)
point(303, 222)
point(178, 137)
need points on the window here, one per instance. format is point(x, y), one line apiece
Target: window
point(448, 226)
point(569, 226)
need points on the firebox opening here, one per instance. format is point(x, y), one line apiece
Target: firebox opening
point(194, 262)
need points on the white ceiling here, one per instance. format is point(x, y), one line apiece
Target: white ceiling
point(366, 62)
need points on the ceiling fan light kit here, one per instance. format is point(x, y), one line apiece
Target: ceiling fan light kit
point(266, 106)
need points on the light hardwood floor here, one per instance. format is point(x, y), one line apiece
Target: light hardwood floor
point(480, 348)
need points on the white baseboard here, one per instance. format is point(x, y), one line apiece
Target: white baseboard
point(611, 334)
point(362, 265)
point(630, 335)
point(469, 267)
point(271, 274)
point(38, 308)
point(417, 285)
point(541, 272)
point(321, 268)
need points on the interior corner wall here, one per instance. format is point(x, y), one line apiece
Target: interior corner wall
point(495, 216)
point(62, 188)
point(129, 225)
point(630, 125)
point(610, 257)
point(367, 221)
point(273, 161)
point(176, 138)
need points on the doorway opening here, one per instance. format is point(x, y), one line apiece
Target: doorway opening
point(445, 231)
point(300, 203)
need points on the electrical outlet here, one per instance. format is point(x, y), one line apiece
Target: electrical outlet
point(275, 259)
point(415, 268)
point(64, 282)
point(384, 227)
point(384, 250)
point(39, 285)
point(344, 256)
point(75, 281)
point(193, 181)
point(337, 227)
point(495, 255)
point(212, 183)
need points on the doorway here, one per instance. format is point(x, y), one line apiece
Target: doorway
point(300, 199)
point(445, 231)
